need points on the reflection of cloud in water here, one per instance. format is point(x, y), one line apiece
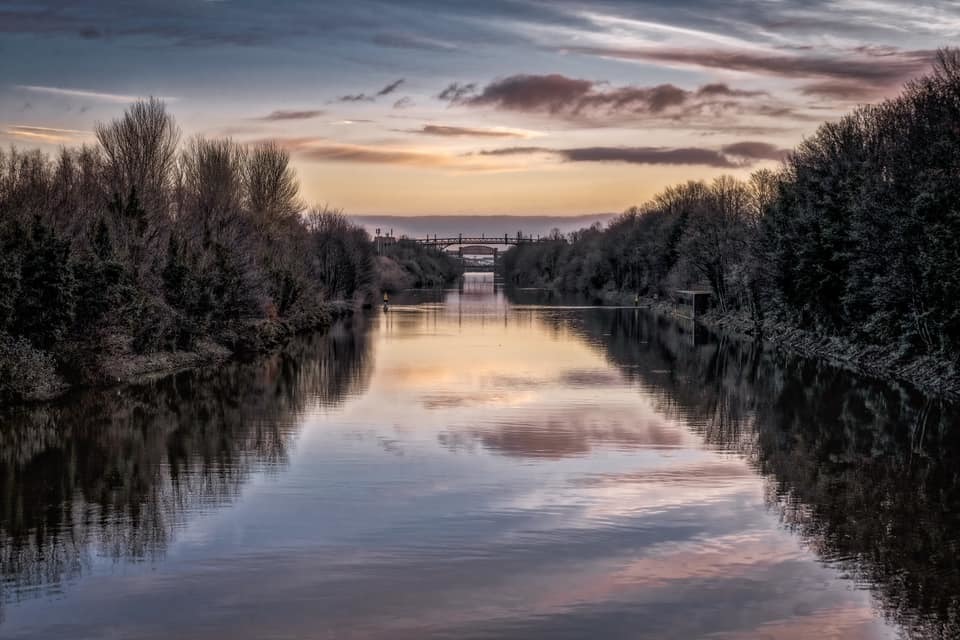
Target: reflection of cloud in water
point(499, 478)
point(568, 431)
point(491, 399)
point(713, 472)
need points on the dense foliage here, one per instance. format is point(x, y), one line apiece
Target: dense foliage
point(855, 236)
point(405, 264)
point(141, 244)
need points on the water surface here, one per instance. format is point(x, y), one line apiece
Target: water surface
point(474, 464)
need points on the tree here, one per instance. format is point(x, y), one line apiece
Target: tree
point(45, 305)
point(140, 149)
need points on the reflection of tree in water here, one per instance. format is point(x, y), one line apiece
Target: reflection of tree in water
point(114, 473)
point(868, 474)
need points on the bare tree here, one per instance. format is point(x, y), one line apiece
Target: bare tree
point(141, 149)
point(272, 190)
point(212, 181)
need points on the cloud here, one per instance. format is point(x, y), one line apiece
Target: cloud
point(191, 24)
point(734, 156)
point(403, 103)
point(358, 153)
point(92, 95)
point(756, 151)
point(651, 155)
point(456, 92)
point(842, 90)
point(50, 135)
point(390, 88)
point(355, 97)
point(885, 66)
point(321, 150)
point(291, 115)
point(720, 89)
point(451, 131)
point(519, 151)
point(363, 97)
point(588, 100)
point(550, 93)
point(411, 41)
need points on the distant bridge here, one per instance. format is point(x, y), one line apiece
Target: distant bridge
point(472, 241)
point(468, 246)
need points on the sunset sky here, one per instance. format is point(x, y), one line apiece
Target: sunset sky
point(429, 106)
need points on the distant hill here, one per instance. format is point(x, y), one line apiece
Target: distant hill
point(421, 226)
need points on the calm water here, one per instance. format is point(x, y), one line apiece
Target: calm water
point(467, 466)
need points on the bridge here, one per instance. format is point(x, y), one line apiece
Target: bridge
point(446, 242)
point(470, 248)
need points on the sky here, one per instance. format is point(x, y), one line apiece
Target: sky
point(434, 107)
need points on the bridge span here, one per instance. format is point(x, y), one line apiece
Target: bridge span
point(472, 250)
point(506, 240)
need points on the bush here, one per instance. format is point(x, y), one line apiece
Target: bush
point(26, 373)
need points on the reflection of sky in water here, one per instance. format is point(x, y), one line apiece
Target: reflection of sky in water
point(496, 478)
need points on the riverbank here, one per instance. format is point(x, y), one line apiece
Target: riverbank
point(36, 376)
point(932, 376)
point(935, 377)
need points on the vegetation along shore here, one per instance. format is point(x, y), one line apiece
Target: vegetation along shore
point(847, 252)
point(146, 253)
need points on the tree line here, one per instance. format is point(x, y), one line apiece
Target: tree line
point(855, 235)
point(144, 243)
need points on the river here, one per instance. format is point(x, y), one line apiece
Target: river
point(478, 464)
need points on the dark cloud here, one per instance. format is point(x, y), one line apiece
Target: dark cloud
point(282, 114)
point(450, 131)
point(322, 150)
point(551, 93)
point(390, 88)
point(363, 97)
point(355, 97)
point(519, 151)
point(756, 151)
point(403, 103)
point(842, 90)
point(456, 92)
point(586, 100)
point(633, 155)
point(651, 155)
point(720, 89)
